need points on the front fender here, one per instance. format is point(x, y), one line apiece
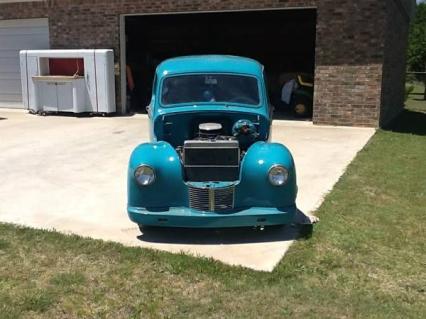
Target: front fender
point(168, 187)
point(254, 188)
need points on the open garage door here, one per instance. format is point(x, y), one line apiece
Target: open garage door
point(16, 35)
point(282, 40)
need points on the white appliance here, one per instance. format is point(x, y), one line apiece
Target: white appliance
point(77, 81)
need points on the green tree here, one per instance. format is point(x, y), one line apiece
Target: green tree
point(417, 43)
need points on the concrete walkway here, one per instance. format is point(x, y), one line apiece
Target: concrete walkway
point(69, 174)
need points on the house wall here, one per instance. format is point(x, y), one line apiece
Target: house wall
point(349, 59)
point(23, 10)
point(350, 51)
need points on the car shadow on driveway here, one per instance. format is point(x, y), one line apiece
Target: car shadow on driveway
point(301, 229)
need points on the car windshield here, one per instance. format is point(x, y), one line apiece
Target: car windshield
point(210, 88)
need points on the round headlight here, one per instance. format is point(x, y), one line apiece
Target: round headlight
point(145, 175)
point(278, 175)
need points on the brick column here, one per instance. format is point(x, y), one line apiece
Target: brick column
point(349, 58)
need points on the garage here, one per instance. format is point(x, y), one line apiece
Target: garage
point(282, 40)
point(16, 35)
point(353, 47)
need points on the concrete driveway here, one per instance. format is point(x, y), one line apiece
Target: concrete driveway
point(69, 174)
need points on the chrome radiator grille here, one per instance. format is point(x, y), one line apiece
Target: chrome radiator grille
point(211, 199)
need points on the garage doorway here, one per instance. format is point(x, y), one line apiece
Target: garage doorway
point(282, 40)
point(16, 35)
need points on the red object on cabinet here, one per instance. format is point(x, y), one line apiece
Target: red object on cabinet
point(67, 67)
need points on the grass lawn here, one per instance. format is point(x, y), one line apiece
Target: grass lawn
point(365, 259)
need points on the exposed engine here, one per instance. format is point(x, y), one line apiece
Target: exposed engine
point(212, 156)
point(210, 131)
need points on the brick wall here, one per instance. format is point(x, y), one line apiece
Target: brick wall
point(24, 10)
point(353, 46)
point(348, 62)
point(347, 95)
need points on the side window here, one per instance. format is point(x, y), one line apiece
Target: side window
point(152, 101)
point(271, 108)
point(267, 89)
point(154, 86)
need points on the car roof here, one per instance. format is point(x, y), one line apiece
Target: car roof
point(209, 63)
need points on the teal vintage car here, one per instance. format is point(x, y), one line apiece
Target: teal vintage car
point(210, 162)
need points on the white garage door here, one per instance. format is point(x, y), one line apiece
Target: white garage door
point(16, 35)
